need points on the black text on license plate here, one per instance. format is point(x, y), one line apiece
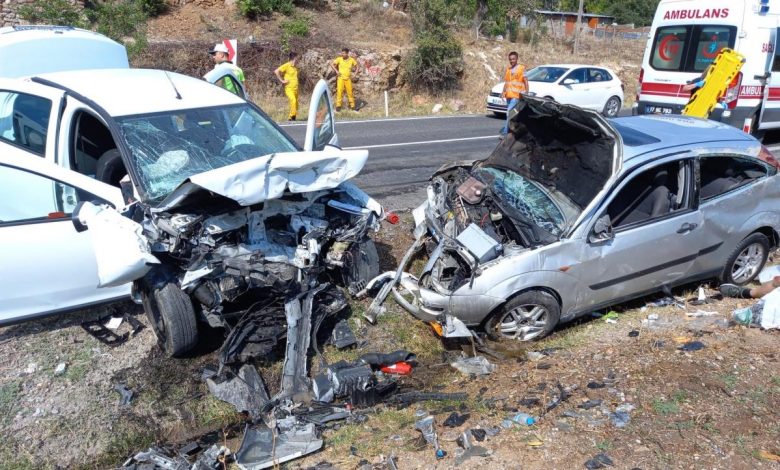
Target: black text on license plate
point(658, 110)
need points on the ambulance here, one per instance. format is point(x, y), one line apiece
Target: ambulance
point(685, 38)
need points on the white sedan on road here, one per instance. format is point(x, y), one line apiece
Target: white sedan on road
point(586, 86)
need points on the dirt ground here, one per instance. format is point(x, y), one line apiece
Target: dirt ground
point(717, 407)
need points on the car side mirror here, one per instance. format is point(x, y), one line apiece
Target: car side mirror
point(602, 230)
point(569, 81)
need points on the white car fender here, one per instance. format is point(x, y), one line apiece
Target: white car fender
point(121, 249)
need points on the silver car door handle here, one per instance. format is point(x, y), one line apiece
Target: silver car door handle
point(686, 227)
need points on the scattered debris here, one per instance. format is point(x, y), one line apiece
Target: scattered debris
point(426, 426)
point(246, 390)
point(764, 314)
point(535, 355)
point(590, 404)
point(534, 441)
point(97, 329)
point(700, 313)
point(529, 402)
point(125, 394)
point(621, 417)
point(601, 460)
point(155, 458)
point(563, 395)
point(692, 346)
point(263, 447)
point(31, 368)
point(478, 434)
point(522, 419)
point(633, 333)
point(114, 323)
point(476, 365)
point(60, 369)
point(611, 317)
point(473, 451)
point(343, 337)
point(596, 385)
point(407, 398)
point(666, 302)
point(399, 368)
point(653, 317)
point(455, 420)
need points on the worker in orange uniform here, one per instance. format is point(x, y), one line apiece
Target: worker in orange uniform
point(515, 83)
point(344, 66)
point(287, 74)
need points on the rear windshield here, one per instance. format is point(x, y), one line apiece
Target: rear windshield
point(689, 48)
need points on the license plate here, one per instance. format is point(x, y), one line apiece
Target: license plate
point(657, 110)
point(494, 100)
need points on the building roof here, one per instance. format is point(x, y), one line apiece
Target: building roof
point(570, 13)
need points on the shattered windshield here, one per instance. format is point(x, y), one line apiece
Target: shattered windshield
point(168, 148)
point(527, 197)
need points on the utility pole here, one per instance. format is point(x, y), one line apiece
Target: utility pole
point(577, 29)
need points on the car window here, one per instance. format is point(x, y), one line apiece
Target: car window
point(24, 120)
point(650, 194)
point(578, 75)
point(30, 197)
point(689, 48)
point(545, 74)
point(598, 75)
point(721, 174)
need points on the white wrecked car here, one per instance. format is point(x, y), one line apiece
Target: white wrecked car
point(231, 219)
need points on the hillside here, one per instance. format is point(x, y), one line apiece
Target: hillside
point(382, 38)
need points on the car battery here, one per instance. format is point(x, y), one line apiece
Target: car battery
point(479, 244)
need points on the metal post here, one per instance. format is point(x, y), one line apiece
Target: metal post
point(577, 29)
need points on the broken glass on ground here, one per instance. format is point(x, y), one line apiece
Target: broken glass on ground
point(476, 365)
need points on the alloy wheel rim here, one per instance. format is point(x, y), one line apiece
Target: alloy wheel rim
point(524, 322)
point(747, 263)
point(612, 107)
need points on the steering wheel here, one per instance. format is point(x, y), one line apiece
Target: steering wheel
point(241, 151)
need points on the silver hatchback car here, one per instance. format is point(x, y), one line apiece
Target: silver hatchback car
point(572, 213)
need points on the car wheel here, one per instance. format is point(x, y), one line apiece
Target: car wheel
point(528, 316)
point(612, 107)
point(110, 168)
point(747, 260)
point(170, 312)
point(499, 114)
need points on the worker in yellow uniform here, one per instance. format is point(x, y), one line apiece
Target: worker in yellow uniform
point(344, 66)
point(287, 74)
point(515, 83)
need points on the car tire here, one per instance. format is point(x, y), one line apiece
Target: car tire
point(747, 260)
point(499, 114)
point(173, 320)
point(110, 168)
point(536, 311)
point(611, 107)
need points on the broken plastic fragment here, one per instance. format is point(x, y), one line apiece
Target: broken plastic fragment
point(261, 449)
point(477, 365)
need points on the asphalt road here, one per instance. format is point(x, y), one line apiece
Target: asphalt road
point(403, 152)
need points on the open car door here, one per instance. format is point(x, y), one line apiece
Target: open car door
point(770, 110)
point(321, 127)
point(225, 78)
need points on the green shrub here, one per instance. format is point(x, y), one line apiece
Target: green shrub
point(122, 21)
point(436, 63)
point(153, 7)
point(298, 26)
point(56, 12)
point(259, 8)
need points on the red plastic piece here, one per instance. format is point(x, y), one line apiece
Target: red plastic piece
point(392, 217)
point(399, 368)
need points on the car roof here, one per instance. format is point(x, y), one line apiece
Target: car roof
point(123, 92)
point(643, 135)
point(572, 66)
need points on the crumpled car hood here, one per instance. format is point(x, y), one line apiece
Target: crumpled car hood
point(565, 148)
point(268, 177)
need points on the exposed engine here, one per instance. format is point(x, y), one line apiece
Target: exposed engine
point(243, 260)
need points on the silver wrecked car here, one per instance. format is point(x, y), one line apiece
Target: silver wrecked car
point(572, 213)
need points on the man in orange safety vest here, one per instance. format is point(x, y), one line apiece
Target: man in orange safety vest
point(515, 83)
